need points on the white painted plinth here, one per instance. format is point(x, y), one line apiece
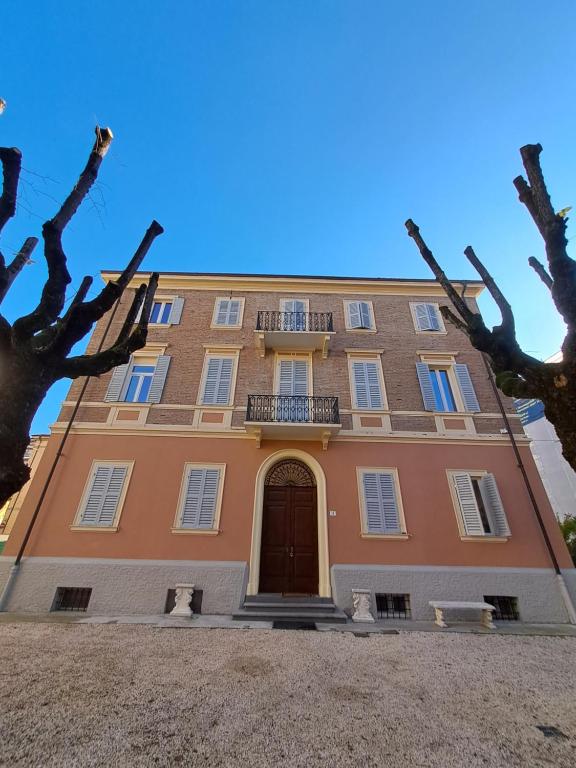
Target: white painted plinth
point(361, 603)
point(184, 594)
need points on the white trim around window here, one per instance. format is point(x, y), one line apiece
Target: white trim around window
point(216, 399)
point(203, 499)
point(284, 302)
point(365, 314)
point(386, 519)
point(425, 320)
point(367, 401)
point(233, 311)
point(477, 505)
point(111, 494)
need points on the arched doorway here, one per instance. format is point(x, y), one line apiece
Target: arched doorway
point(289, 542)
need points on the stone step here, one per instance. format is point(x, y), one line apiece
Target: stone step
point(334, 617)
point(290, 606)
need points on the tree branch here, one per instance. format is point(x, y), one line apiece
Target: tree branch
point(495, 292)
point(11, 159)
point(448, 315)
point(530, 154)
point(541, 272)
point(455, 298)
point(8, 274)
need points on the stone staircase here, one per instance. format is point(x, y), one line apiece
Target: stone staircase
point(275, 607)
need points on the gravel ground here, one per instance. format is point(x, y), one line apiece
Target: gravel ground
point(101, 695)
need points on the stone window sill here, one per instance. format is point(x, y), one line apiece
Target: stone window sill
point(197, 531)
point(486, 539)
point(388, 536)
point(95, 528)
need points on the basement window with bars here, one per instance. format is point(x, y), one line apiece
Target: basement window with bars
point(393, 606)
point(506, 607)
point(72, 598)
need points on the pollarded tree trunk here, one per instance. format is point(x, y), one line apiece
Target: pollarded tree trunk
point(517, 373)
point(35, 349)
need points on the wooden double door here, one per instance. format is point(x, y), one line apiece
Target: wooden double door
point(289, 548)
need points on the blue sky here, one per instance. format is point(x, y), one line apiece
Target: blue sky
point(293, 136)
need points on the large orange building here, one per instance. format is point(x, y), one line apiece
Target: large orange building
point(291, 436)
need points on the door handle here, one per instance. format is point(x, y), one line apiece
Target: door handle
point(291, 552)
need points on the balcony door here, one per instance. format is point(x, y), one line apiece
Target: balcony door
point(293, 387)
point(295, 314)
point(289, 547)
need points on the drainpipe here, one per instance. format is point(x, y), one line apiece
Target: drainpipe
point(15, 569)
point(569, 605)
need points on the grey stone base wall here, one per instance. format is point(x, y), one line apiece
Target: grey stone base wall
point(539, 598)
point(123, 586)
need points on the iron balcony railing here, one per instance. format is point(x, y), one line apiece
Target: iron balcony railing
point(293, 409)
point(320, 322)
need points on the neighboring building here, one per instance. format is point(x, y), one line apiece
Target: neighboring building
point(295, 435)
point(10, 510)
point(557, 475)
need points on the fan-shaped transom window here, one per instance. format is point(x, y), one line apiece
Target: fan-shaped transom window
point(290, 472)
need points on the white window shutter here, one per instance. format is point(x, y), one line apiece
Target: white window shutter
point(354, 314)
point(300, 373)
point(116, 385)
point(425, 380)
point(365, 318)
point(493, 505)
point(374, 391)
point(381, 506)
point(433, 319)
point(199, 506)
point(367, 384)
point(468, 506)
point(285, 378)
point(104, 495)
point(222, 313)
point(466, 387)
point(176, 311)
point(218, 381)
point(159, 379)
point(427, 317)
point(233, 312)
point(139, 313)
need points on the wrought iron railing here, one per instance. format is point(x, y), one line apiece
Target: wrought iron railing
point(320, 322)
point(295, 409)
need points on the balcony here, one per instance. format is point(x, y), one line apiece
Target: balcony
point(294, 331)
point(292, 417)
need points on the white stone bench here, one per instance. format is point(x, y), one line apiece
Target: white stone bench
point(443, 605)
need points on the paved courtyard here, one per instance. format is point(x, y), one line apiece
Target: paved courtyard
point(129, 695)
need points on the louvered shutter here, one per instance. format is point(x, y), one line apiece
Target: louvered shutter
point(158, 379)
point(354, 314)
point(199, 507)
point(466, 388)
point(493, 505)
point(116, 385)
point(104, 495)
point(297, 317)
point(293, 378)
point(427, 317)
point(228, 312)
point(222, 314)
point(176, 311)
point(425, 380)
point(381, 506)
point(468, 506)
point(367, 384)
point(233, 312)
point(218, 381)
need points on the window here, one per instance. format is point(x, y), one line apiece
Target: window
point(200, 497)
point(104, 494)
point(72, 599)
point(393, 606)
point(427, 318)
point(217, 379)
point(506, 607)
point(228, 313)
point(380, 502)
point(480, 510)
point(165, 311)
point(141, 380)
point(447, 387)
point(293, 386)
point(296, 314)
point(359, 316)
point(367, 384)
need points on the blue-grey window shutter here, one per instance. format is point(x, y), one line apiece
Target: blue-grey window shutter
point(466, 387)
point(381, 506)
point(218, 381)
point(468, 506)
point(158, 379)
point(367, 384)
point(493, 504)
point(116, 385)
point(200, 501)
point(176, 311)
point(426, 386)
point(106, 488)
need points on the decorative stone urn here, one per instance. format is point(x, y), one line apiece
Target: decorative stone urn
point(361, 603)
point(184, 594)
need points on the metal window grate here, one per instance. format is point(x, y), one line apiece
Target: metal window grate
point(72, 598)
point(393, 606)
point(505, 605)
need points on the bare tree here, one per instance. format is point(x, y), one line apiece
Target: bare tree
point(35, 349)
point(518, 374)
